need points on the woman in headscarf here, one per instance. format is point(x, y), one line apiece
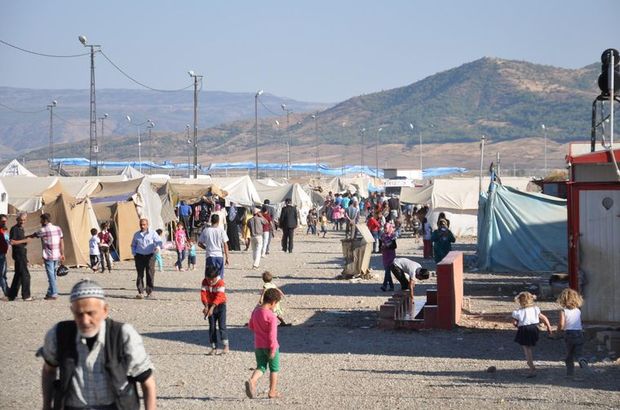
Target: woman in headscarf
point(232, 228)
point(388, 251)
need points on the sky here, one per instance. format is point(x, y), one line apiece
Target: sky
point(322, 50)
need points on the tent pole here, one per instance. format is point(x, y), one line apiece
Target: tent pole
point(481, 163)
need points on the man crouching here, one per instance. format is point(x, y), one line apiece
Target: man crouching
point(93, 362)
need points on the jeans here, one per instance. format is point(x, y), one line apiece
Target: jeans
point(311, 229)
point(3, 280)
point(574, 350)
point(145, 263)
point(105, 258)
point(266, 241)
point(218, 317)
point(180, 258)
point(257, 247)
point(218, 262)
point(50, 269)
point(375, 244)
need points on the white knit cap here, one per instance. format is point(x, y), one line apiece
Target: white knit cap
point(87, 289)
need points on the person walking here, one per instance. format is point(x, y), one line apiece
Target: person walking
point(213, 297)
point(18, 241)
point(185, 211)
point(267, 229)
point(143, 246)
point(180, 241)
point(352, 215)
point(232, 228)
point(94, 362)
point(53, 246)
point(214, 240)
point(105, 243)
point(570, 322)
point(4, 248)
point(255, 226)
point(289, 218)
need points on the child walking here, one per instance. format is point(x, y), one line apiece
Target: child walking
point(268, 284)
point(323, 220)
point(213, 298)
point(93, 249)
point(191, 257)
point(264, 324)
point(526, 319)
point(570, 323)
point(158, 258)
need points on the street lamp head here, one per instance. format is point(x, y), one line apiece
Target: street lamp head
point(191, 73)
point(187, 126)
point(313, 116)
point(105, 115)
point(83, 40)
point(277, 123)
point(380, 129)
point(258, 93)
point(128, 118)
point(542, 126)
point(411, 125)
point(283, 107)
point(54, 103)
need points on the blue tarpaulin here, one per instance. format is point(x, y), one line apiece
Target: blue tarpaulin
point(521, 231)
point(222, 166)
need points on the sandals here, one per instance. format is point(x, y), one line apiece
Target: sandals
point(275, 395)
point(249, 391)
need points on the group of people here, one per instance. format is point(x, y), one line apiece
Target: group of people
point(53, 247)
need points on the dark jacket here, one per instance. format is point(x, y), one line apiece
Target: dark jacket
point(125, 392)
point(289, 217)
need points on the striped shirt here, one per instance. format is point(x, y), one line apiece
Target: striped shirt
point(213, 291)
point(51, 236)
point(90, 385)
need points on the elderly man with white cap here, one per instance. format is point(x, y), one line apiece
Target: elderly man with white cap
point(94, 362)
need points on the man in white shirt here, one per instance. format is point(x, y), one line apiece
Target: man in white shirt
point(407, 271)
point(214, 240)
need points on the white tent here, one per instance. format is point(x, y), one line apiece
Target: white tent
point(277, 195)
point(241, 190)
point(14, 168)
point(131, 173)
point(26, 194)
point(457, 198)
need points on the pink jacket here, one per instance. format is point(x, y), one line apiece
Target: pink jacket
point(180, 238)
point(264, 324)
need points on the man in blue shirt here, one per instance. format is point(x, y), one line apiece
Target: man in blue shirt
point(184, 213)
point(144, 244)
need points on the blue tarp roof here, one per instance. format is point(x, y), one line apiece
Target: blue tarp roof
point(221, 166)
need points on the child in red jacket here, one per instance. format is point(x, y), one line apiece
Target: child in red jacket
point(264, 324)
point(213, 298)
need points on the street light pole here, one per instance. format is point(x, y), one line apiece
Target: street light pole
point(316, 132)
point(362, 131)
point(288, 142)
point(545, 139)
point(377, 154)
point(482, 139)
point(258, 94)
point(101, 145)
point(150, 126)
point(189, 152)
point(94, 148)
point(196, 77)
point(50, 107)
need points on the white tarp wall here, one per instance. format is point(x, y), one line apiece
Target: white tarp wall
point(4, 199)
point(148, 205)
point(26, 193)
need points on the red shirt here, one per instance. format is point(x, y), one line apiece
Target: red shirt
point(373, 225)
point(264, 324)
point(213, 291)
point(266, 226)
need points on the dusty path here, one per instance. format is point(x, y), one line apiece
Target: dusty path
point(333, 356)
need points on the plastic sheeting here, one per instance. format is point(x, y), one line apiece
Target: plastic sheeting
point(521, 231)
point(277, 195)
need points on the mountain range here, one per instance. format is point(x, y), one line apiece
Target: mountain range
point(502, 99)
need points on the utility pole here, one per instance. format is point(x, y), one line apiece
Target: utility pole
point(50, 107)
point(94, 148)
point(288, 143)
point(196, 78)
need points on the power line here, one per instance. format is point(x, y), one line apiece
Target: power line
point(138, 82)
point(74, 124)
point(20, 111)
point(267, 108)
point(43, 54)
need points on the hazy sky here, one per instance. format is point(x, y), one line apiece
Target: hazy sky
point(322, 50)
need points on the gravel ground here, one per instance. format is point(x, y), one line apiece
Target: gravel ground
point(333, 356)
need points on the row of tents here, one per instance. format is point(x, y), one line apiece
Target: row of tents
point(517, 230)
